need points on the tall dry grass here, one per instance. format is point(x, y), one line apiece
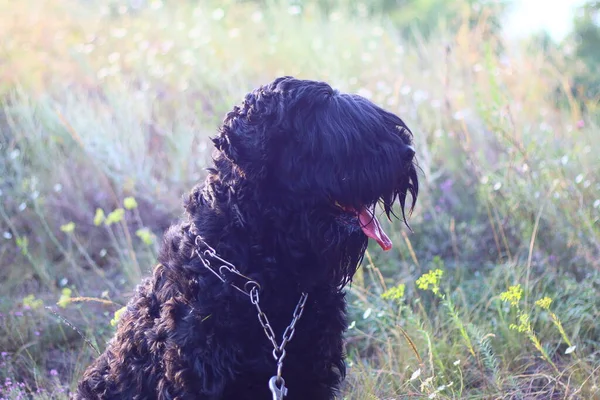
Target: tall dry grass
point(102, 104)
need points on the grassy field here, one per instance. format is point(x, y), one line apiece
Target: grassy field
point(105, 115)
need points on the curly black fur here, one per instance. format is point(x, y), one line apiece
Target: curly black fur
point(283, 158)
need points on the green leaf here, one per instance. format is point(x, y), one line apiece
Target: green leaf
point(99, 217)
point(114, 217)
point(130, 203)
point(65, 298)
point(117, 316)
point(68, 228)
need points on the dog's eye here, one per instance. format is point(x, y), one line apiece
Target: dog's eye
point(342, 207)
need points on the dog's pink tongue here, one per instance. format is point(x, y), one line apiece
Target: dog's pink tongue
point(371, 228)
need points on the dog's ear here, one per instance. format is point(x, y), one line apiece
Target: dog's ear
point(245, 131)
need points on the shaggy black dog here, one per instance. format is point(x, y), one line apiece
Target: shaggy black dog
point(298, 169)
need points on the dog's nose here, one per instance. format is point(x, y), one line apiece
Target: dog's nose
point(409, 152)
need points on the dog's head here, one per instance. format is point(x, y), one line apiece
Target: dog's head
point(316, 162)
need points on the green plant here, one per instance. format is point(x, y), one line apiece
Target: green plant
point(106, 114)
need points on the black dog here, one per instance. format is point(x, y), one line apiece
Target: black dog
point(288, 209)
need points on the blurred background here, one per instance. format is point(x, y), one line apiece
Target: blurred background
point(106, 108)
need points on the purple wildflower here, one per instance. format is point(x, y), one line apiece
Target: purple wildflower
point(446, 186)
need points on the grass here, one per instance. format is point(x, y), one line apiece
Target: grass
point(106, 111)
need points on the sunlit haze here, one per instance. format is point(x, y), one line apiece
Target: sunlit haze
point(532, 16)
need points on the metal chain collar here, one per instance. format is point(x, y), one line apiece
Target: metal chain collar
point(278, 350)
point(226, 267)
point(251, 288)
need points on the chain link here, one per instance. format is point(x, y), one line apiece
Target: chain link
point(225, 268)
point(279, 352)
